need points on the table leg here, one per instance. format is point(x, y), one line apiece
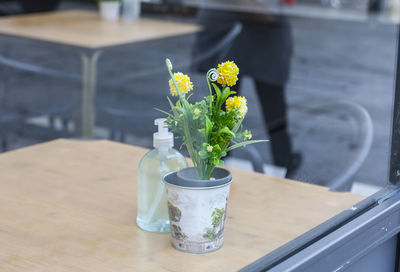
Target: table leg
point(87, 122)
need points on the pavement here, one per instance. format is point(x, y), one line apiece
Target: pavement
point(334, 61)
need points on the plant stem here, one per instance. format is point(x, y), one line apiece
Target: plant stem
point(209, 170)
point(209, 88)
point(189, 141)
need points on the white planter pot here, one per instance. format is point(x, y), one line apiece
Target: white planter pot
point(197, 209)
point(130, 10)
point(109, 10)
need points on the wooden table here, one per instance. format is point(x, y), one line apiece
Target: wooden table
point(85, 31)
point(71, 206)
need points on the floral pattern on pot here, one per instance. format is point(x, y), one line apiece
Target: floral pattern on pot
point(218, 220)
point(197, 217)
point(174, 218)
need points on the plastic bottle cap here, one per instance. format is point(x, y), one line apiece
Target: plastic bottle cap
point(162, 138)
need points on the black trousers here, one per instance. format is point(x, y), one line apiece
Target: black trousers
point(274, 109)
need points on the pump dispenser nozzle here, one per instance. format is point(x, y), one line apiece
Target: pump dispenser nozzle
point(162, 138)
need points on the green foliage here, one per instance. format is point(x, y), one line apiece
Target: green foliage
point(210, 234)
point(217, 217)
point(206, 127)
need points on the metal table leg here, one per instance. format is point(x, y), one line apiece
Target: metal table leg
point(89, 76)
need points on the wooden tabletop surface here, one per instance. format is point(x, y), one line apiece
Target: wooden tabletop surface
point(86, 29)
point(71, 206)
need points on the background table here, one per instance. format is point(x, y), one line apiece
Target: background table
point(85, 31)
point(71, 206)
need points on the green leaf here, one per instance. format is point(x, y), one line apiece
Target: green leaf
point(208, 128)
point(221, 163)
point(167, 113)
point(217, 90)
point(172, 107)
point(226, 131)
point(203, 154)
point(217, 148)
point(226, 92)
point(237, 126)
point(244, 144)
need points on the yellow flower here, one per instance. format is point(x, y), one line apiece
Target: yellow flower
point(183, 82)
point(196, 111)
point(209, 148)
point(238, 103)
point(248, 136)
point(227, 73)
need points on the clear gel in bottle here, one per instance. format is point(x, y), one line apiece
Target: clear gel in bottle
point(152, 202)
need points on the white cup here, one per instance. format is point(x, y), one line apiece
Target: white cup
point(109, 10)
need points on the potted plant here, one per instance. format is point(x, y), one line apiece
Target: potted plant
point(197, 196)
point(109, 9)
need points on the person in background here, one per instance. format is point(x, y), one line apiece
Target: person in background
point(263, 51)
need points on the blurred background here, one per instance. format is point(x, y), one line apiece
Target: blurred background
point(318, 76)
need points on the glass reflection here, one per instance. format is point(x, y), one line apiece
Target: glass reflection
point(316, 78)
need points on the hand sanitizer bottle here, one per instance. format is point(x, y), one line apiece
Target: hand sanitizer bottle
point(152, 202)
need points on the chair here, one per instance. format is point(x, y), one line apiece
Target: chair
point(14, 117)
point(14, 124)
point(356, 147)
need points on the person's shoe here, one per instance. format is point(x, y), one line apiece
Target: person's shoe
point(295, 162)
